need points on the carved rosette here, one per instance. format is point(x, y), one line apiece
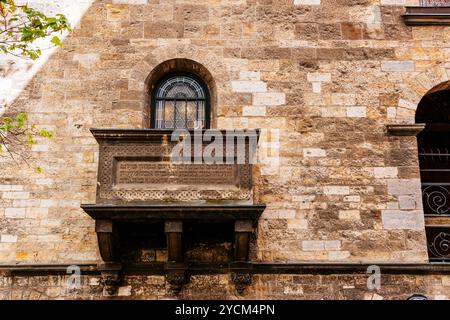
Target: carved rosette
point(241, 281)
point(110, 281)
point(176, 281)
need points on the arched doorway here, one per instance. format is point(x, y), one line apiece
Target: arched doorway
point(434, 160)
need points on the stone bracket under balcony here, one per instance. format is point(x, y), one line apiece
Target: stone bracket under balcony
point(109, 217)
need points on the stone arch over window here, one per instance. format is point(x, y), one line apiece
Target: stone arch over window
point(434, 162)
point(181, 93)
point(412, 90)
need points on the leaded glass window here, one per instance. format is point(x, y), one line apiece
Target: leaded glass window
point(180, 101)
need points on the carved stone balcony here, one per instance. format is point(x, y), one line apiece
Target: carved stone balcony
point(154, 180)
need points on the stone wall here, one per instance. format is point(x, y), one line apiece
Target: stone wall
point(325, 75)
point(289, 286)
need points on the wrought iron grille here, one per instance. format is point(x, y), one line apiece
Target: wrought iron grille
point(438, 242)
point(180, 102)
point(435, 3)
point(434, 158)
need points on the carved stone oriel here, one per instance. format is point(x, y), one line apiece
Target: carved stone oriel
point(140, 183)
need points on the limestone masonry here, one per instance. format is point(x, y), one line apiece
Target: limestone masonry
point(326, 76)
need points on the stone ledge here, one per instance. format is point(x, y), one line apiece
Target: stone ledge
point(138, 213)
point(427, 16)
point(404, 129)
point(249, 267)
point(147, 135)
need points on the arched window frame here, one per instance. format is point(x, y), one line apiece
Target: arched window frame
point(154, 98)
point(434, 155)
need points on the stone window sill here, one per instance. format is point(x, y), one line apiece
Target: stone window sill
point(427, 16)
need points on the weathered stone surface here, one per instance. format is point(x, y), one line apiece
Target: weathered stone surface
point(326, 76)
point(399, 219)
point(288, 286)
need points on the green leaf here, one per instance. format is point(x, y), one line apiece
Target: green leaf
point(21, 119)
point(32, 25)
point(55, 40)
point(30, 139)
point(46, 134)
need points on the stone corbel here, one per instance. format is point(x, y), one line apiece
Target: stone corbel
point(405, 129)
point(107, 240)
point(174, 235)
point(176, 274)
point(243, 230)
point(111, 268)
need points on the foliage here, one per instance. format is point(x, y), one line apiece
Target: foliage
point(17, 132)
point(21, 26)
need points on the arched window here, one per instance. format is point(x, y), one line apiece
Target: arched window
point(434, 161)
point(434, 152)
point(180, 101)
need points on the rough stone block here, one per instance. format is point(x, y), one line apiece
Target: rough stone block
point(15, 213)
point(343, 99)
point(407, 202)
point(250, 75)
point(8, 238)
point(403, 186)
point(398, 66)
point(248, 86)
point(336, 190)
point(318, 77)
point(385, 172)
point(254, 111)
point(314, 153)
point(356, 112)
point(307, 2)
point(269, 99)
point(402, 220)
point(349, 215)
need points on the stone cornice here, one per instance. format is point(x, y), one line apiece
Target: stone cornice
point(158, 134)
point(427, 16)
point(248, 267)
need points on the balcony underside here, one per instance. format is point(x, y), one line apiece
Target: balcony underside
point(148, 213)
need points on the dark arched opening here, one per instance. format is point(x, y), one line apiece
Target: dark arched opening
point(434, 161)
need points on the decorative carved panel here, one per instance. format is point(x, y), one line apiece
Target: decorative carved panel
point(435, 3)
point(136, 170)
